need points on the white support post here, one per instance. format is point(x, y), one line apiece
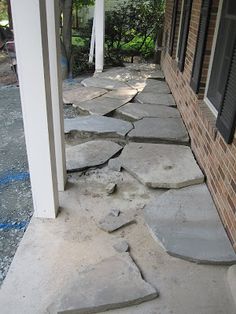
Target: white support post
point(53, 26)
point(99, 35)
point(30, 31)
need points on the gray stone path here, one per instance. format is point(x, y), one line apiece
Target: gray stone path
point(114, 283)
point(137, 111)
point(98, 125)
point(103, 83)
point(161, 165)
point(156, 87)
point(90, 154)
point(159, 130)
point(187, 224)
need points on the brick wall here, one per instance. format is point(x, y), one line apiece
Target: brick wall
point(216, 159)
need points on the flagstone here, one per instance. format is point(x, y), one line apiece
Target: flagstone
point(100, 82)
point(156, 87)
point(80, 94)
point(98, 125)
point(188, 226)
point(156, 130)
point(155, 99)
point(161, 165)
point(90, 154)
point(137, 111)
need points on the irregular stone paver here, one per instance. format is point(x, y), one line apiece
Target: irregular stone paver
point(156, 130)
point(187, 224)
point(137, 111)
point(102, 105)
point(157, 75)
point(103, 83)
point(114, 164)
point(156, 87)
point(115, 282)
point(112, 223)
point(80, 94)
point(111, 188)
point(90, 154)
point(156, 99)
point(98, 125)
point(126, 94)
point(161, 165)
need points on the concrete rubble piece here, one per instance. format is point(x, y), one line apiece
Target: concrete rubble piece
point(80, 94)
point(112, 222)
point(156, 130)
point(98, 125)
point(187, 225)
point(137, 111)
point(90, 154)
point(114, 283)
point(161, 165)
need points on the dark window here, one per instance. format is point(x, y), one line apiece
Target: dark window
point(173, 26)
point(183, 39)
point(200, 45)
point(222, 84)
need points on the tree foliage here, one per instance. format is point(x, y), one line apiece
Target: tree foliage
point(3, 10)
point(131, 29)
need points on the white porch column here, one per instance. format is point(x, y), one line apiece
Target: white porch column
point(53, 24)
point(30, 30)
point(99, 35)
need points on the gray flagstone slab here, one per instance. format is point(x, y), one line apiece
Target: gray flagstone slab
point(80, 94)
point(90, 154)
point(114, 283)
point(137, 111)
point(155, 99)
point(98, 125)
point(123, 93)
point(156, 87)
point(187, 225)
point(158, 75)
point(161, 165)
point(156, 130)
point(102, 105)
point(100, 82)
point(137, 84)
point(112, 223)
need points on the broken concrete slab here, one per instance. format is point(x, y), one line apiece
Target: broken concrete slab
point(156, 87)
point(121, 246)
point(156, 99)
point(137, 111)
point(161, 165)
point(112, 223)
point(114, 283)
point(159, 130)
point(80, 94)
point(231, 278)
point(188, 226)
point(102, 105)
point(100, 82)
point(90, 154)
point(98, 126)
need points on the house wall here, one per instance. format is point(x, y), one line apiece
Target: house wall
point(216, 158)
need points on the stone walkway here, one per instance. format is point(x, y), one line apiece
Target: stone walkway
point(135, 200)
point(138, 112)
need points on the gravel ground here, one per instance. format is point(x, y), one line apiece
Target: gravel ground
point(15, 195)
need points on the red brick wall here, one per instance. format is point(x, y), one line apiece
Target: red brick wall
point(215, 157)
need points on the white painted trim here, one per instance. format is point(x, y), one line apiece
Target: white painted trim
point(180, 27)
point(207, 101)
